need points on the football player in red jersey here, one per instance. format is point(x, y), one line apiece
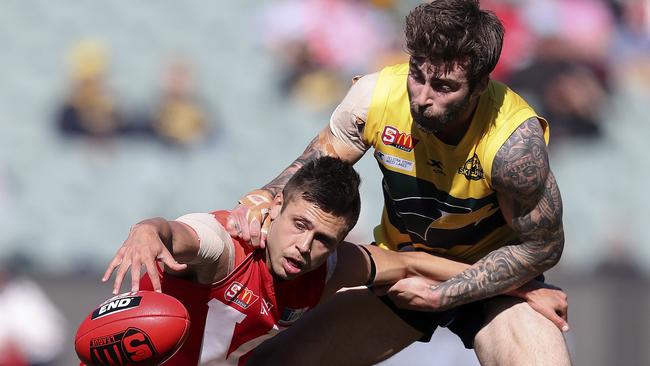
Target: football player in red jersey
point(250, 295)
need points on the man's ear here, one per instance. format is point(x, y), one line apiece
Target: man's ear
point(276, 206)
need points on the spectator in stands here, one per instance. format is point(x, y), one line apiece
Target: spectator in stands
point(180, 119)
point(90, 109)
point(567, 78)
point(319, 54)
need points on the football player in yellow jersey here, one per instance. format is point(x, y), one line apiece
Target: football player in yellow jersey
point(466, 176)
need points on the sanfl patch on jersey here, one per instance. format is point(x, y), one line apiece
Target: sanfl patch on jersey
point(394, 161)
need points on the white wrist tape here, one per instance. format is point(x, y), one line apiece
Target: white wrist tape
point(212, 237)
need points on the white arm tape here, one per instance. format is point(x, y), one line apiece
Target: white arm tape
point(212, 236)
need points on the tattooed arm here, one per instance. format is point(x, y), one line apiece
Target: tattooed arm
point(325, 144)
point(530, 201)
point(342, 138)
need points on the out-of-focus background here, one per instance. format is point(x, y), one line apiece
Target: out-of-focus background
point(115, 111)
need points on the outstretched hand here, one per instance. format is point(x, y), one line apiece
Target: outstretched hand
point(249, 220)
point(143, 247)
point(548, 300)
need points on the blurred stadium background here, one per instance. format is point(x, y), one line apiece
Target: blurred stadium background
point(115, 111)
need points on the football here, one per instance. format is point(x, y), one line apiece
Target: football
point(134, 328)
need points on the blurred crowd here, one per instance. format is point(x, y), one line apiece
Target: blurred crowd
point(92, 111)
point(563, 56)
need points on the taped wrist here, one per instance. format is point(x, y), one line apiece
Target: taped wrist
point(373, 267)
point(212, 236)
point(256, 197)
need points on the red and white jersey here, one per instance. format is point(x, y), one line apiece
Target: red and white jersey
point(233, 316)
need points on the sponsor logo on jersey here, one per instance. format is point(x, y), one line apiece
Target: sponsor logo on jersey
point(115, 305)
point(129, 346)
point(393, 137)
point(265, 308)
point(291, 315)
point(394, 161)
point(436, 165)
point(240, 295)
point(472, 169)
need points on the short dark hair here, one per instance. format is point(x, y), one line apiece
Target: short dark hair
point(331, 184)
point(451, 31)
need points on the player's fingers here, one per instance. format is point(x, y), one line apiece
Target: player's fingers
point(170, 262)
point(119, 276)
point(553, 317)
point(111, 267)
point(117, 260)
point(559, 322)
point(237, 222)
point(565, 316)
point(231, 224)
point(255, 231)
point(264, 231)
point(244, 229)
point(563, 313)
point(135, 276)
point(152, 271)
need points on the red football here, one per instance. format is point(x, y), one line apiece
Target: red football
point(134, 328)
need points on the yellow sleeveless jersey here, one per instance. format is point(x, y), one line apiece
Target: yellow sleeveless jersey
point(439, 198)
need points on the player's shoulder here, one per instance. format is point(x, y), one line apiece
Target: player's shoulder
point(365, 83)
point(358, 98)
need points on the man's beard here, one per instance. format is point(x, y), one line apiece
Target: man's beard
point(433, 125)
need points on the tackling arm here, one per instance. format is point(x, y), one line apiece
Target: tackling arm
point(341, 139)
point(355, 266)
point(530, 201)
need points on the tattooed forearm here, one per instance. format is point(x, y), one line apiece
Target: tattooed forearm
point(530, 200)
point(501, 271)
point(319, 146)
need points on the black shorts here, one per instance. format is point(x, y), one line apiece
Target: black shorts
point(465, 321)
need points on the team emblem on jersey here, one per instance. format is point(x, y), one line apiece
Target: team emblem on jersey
point(130, 346)
point(291, 315)
point(472, 169)
point(393, 137)
point(240, 295)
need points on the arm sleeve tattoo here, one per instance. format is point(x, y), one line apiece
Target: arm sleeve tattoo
point(319, 146)
point(530, 200)
point(343, 131)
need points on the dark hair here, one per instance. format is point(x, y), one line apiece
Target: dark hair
point(450, 31)
point(329, 183)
